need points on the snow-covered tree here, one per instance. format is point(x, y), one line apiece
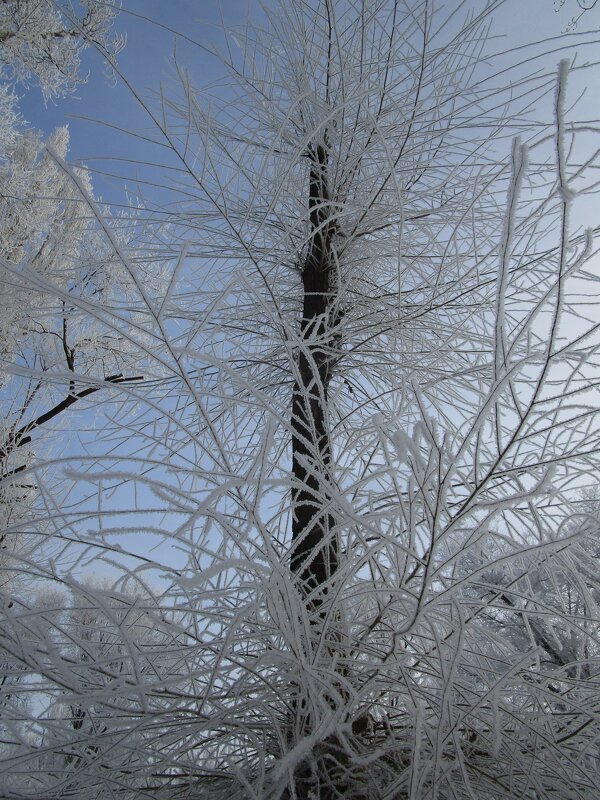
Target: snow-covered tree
point(108, 635)
point(40, 222)
point(41, 41)
point(54, 260)
point(361, 457)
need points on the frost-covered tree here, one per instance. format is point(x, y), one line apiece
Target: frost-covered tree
point(373, 409)
point(111, 638)
point(53, 259)
point(41, 41)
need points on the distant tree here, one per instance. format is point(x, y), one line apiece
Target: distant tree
point(53, 261)
point(374, 405)
point(41, 41)
point(41, 223)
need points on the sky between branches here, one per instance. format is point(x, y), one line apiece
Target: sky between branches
point(150, 27)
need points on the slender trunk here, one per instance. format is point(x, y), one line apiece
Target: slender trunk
point(314, 547)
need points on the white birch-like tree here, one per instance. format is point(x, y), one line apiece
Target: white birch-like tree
point(369, 412)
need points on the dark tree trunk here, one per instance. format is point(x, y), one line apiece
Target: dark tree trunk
point(315, 550)
point(314, 547)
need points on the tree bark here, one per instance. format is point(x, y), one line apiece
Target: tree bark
point(314, 557)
